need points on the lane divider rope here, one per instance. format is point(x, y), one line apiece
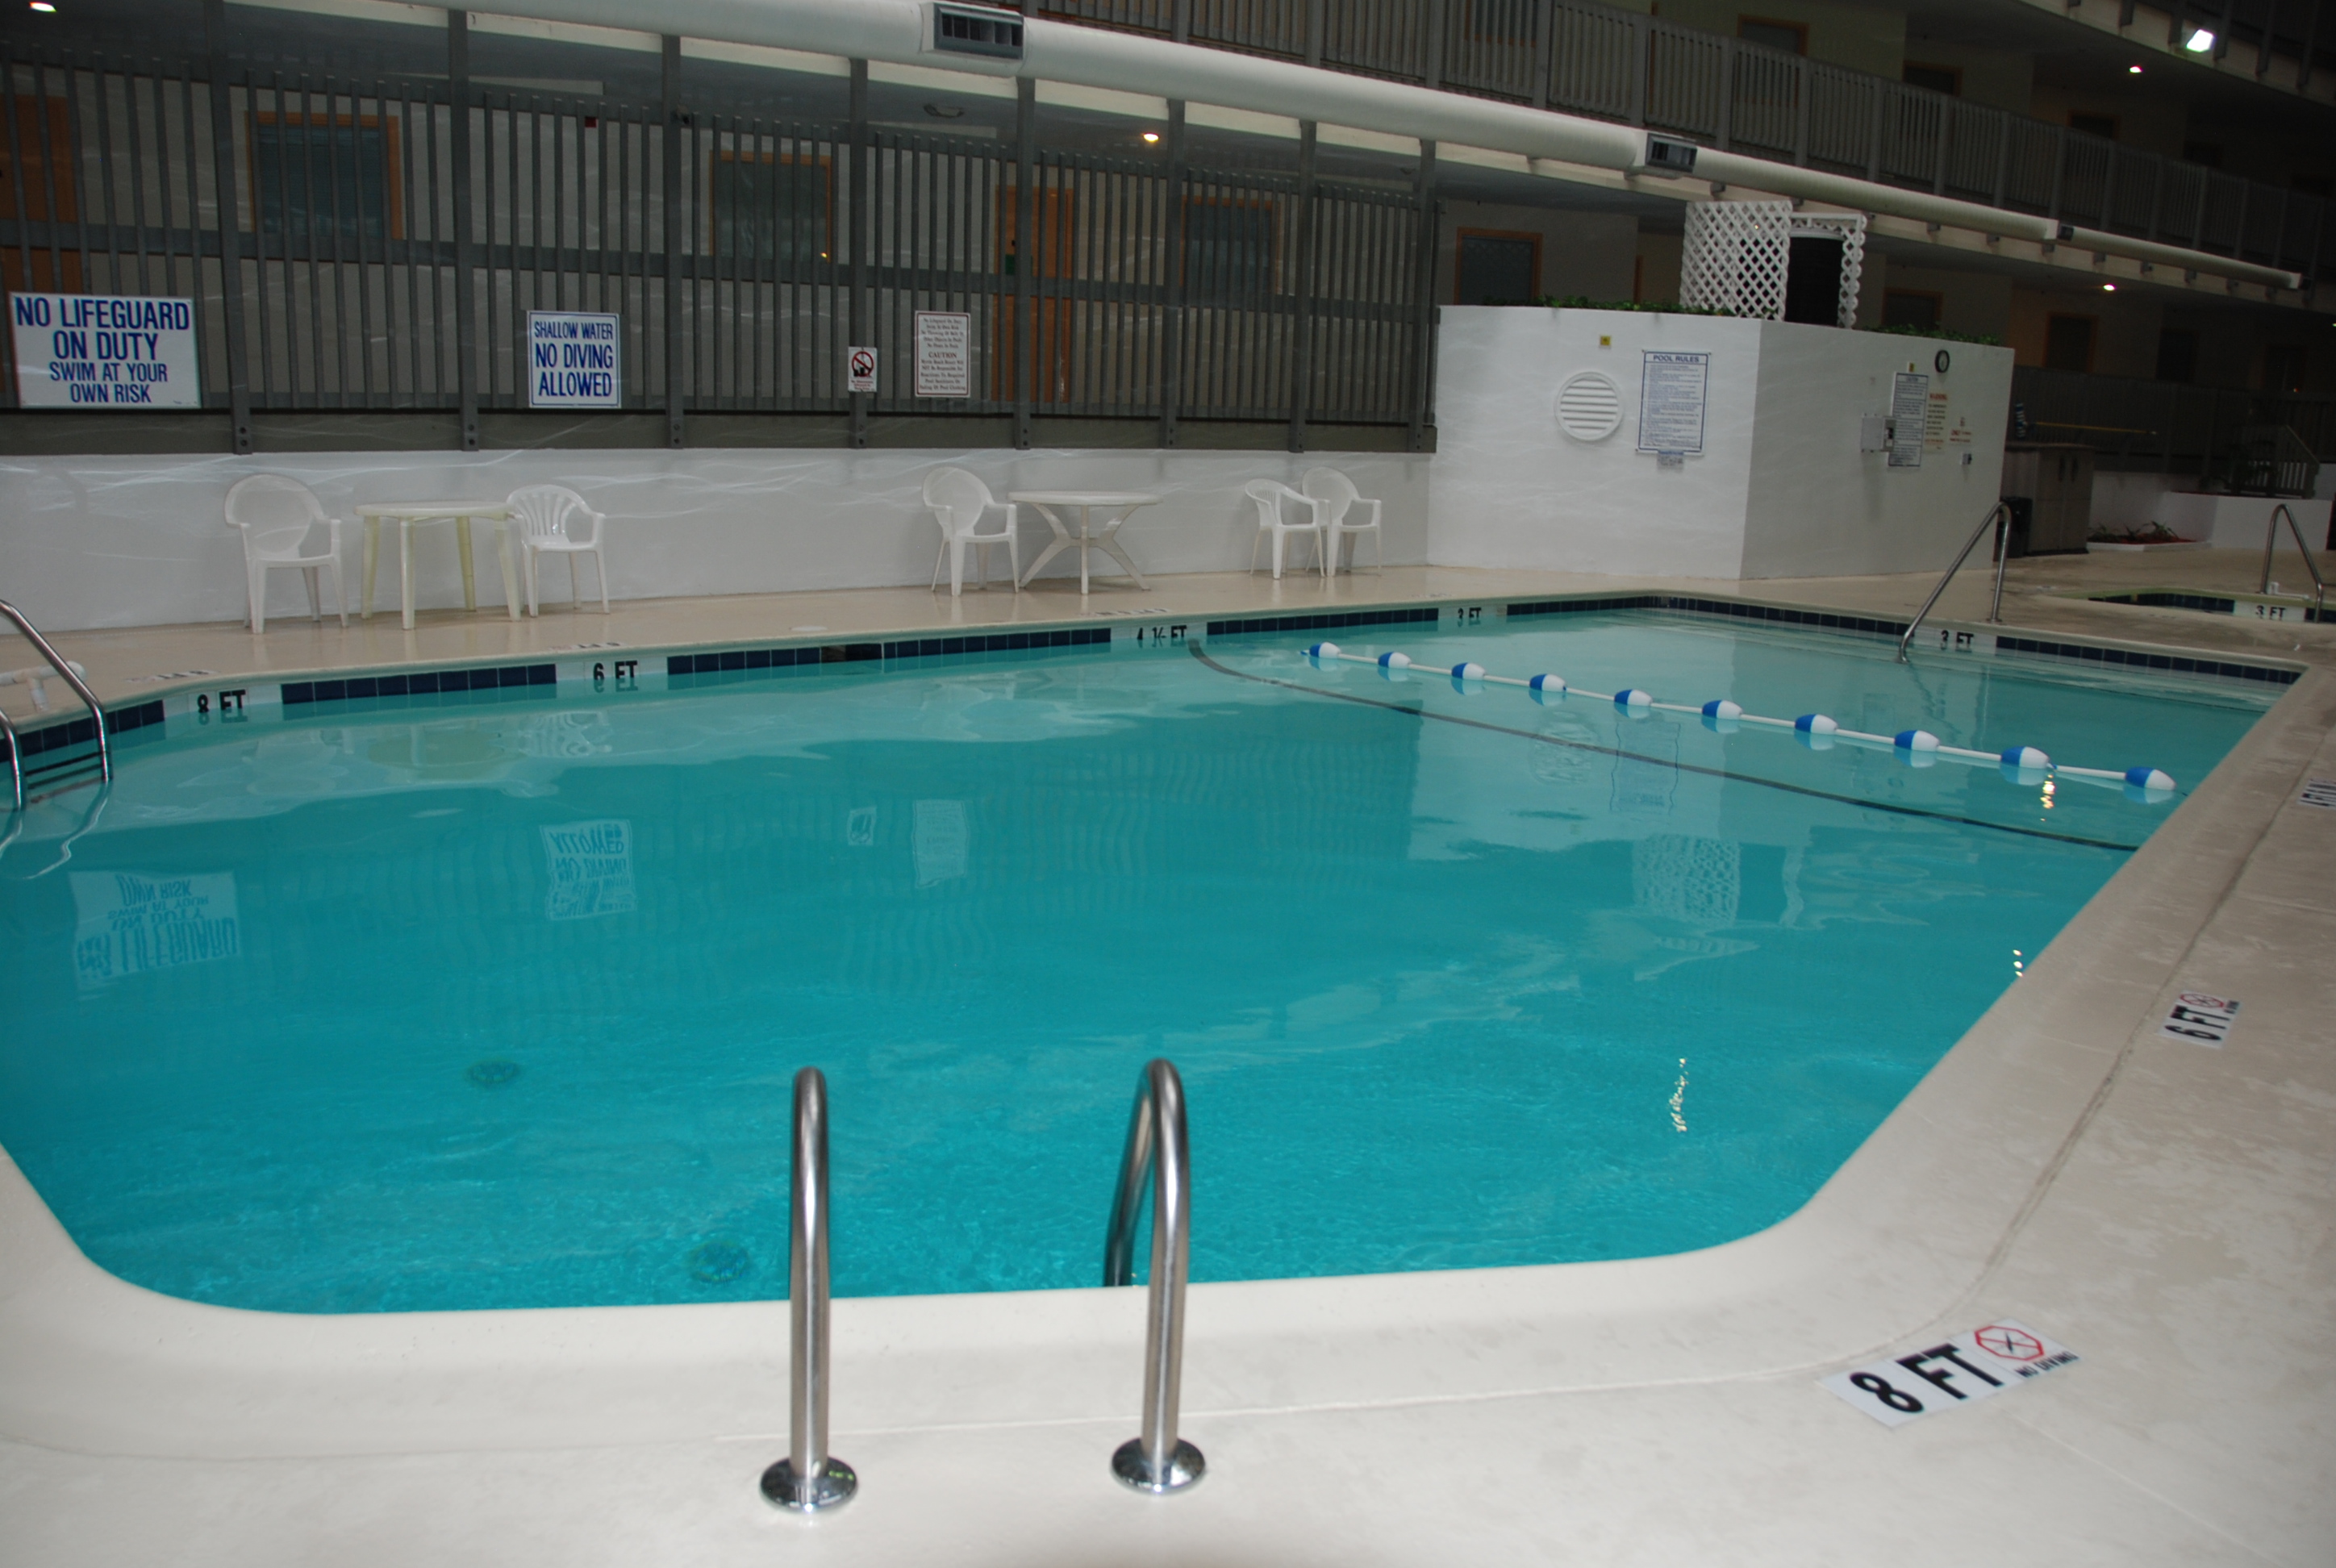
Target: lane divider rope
point(1916, 747)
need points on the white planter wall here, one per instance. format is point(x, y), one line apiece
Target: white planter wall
point(107, 541)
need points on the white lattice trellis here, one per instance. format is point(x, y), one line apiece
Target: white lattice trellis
point(1736, 255)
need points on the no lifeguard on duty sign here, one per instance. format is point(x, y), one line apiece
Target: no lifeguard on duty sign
point(104, 351)
point(574, 359)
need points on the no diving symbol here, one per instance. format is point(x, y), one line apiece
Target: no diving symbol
point(863, 364)
point(2008, 1344)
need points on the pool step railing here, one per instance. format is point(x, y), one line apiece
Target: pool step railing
point(1156, 1460)
point(1919, 747)
point(810, 1478)
point(1999, 517)
point(71, 674)
point(2271, 542)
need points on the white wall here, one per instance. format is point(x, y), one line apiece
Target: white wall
point(1780, 489)
point(102, 541)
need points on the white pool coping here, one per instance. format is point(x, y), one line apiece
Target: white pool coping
point(1903, 1238)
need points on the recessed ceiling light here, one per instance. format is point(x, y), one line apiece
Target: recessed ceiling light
point(1152, 136)
point(43, 5)
point(2132, 69)
point(2199, 42)
point(2108, 288)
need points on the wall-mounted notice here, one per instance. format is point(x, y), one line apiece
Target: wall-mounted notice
point(129, 922)
point(105, 351)
point(1934, 423)
point(1989, 1360)
point(860, 370)
point(1909, 413)
point(572, 357)
point(1671, 393)
point(944, 354)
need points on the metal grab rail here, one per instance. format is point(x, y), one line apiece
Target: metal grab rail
point(64, 667)
point(1156, 1460)
point(2271, 538)
point(808, 1479)
point(2001, 515)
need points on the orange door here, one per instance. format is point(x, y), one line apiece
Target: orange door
point(1050, 351)
point(42, 179)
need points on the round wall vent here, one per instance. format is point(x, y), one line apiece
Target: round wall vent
point(1589, 406)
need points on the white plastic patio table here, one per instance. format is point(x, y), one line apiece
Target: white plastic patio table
point(1088, 537)
point(406, 514)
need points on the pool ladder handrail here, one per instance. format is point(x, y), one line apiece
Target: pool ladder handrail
point(2270, 538)
point(809, 1479)
point(1999, 514)
point(64, 667)
point(1156, 1460)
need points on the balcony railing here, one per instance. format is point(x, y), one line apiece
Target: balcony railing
point(1591, 59)
point(2140, 426)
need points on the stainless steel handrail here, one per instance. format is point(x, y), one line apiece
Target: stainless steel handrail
point(808, 1479)
point(1156, 1460)
point(2271, 538)
point(1999, 514)
point(63, 667)
point(16, 760)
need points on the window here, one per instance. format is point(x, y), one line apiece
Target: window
point(770, 206)
point(2102, 125)
point(39, 173)
point(1911, 307)
point(1789, 37)
point(2177, 355)
point(2069, 343)
point(322, 178)
point(2282, 367)
point(1946, 79)
point(1228, 251)
point(1494, 268)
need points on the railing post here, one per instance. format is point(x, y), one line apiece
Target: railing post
point(1881, 95)
point(1171, 325)
point(1315, 21)
point(857, 235)
point(2059, 171)
point(1642, 35)
point(1156, 1460)
point(224, 165)
point(2003, 134)
point(1803, 80)
point(1946, 141)
point(1728, 60)
point(808, 1479)
point(1180, 21)
point(1301, 373)
point(670, 78)
point(1423, 370)
point(1026, 247)
point(1432, 64)
point(1544, 50)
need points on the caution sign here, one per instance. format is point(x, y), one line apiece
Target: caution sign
point(1991, 1359)
point(574, 360)
point(944, 354)
point(104, 351)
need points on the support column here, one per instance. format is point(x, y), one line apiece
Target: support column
point(1301, 360)
point(857, 237)
point(675, 350)
point(224, 165)
point(1026, 251)
point(1171, 327)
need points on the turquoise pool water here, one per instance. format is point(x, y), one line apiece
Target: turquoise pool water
point(498, 1005)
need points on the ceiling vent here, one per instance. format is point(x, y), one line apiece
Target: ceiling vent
point(981, 30)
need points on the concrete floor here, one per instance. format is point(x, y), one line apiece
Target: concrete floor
point(2162, 1208)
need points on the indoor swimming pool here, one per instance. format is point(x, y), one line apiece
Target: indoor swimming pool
point(495, 999)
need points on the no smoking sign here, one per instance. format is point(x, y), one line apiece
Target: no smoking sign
point(860, 370)
point(1990, 1360)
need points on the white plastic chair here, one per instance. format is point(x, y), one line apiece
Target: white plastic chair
point(1271, 494)
point(276, 515)
point(959, 501)
point(544, 519)
point(1338, 493)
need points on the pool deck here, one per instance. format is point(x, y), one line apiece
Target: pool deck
point(2162, 1208)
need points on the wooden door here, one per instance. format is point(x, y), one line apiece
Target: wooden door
point(37, 186)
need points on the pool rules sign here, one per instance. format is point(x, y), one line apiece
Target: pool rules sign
point(104, 351)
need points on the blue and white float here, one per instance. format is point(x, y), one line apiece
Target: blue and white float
point(1818, 732)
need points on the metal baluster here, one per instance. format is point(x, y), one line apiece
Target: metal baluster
point(1156, 1460)
point(808, 1479)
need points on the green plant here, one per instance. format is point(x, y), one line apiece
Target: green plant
point(1651, 306)
point(1948, 333)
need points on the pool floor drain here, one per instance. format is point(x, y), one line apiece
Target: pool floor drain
point(491, 1074)
point(719, 1262)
